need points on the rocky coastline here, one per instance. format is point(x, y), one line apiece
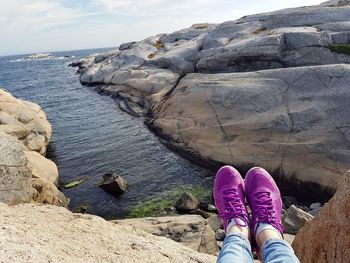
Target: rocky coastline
point(267, 90)
point(27, 176)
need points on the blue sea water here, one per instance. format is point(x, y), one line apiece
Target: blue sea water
point(92, 136)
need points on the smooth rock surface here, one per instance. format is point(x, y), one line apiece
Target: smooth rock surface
point(293, 122)
point(32, 233)
point(190, 230)
point(26, 120)
point(326, 238)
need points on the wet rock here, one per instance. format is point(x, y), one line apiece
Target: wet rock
point(186, 203)
point(114, 184)
point(294, 220)
point(326, 239)
point(190, 230)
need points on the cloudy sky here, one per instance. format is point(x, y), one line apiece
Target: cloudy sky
point(28, 26)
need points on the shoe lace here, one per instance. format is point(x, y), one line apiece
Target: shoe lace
point(264, 211)
point(234, 208)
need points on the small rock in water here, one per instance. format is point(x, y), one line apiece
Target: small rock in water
point(114, 184)
point(314, 206)
point(186, 203)
point(294, 219)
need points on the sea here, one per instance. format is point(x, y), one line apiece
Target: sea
point(92, 137)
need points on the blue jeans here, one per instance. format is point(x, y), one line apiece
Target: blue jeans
point(236, 249)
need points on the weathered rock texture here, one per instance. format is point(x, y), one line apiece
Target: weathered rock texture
point(263, 90)
point(190, 230)
point(15, 176)
point(294, 219)
point(326, 238)
point(25, 174)
point(32, 233)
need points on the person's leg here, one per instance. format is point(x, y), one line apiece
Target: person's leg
point(229, 199)
point(265, 201)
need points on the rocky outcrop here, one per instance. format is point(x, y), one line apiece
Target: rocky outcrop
point(326, 238)
point(25, 173)
point(267, 89)
point(190, 230)
point(25, 120)
point(15, 176)
point(32, 233)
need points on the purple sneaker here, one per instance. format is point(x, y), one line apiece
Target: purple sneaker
point(229, 196)
point(264, 199)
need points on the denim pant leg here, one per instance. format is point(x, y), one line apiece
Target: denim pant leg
point(278, 251)
point(236, 248)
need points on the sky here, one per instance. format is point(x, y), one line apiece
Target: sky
point(30, 26)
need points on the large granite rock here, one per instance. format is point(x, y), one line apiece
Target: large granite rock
point(15, 176)
point(190, 230)
point(292, 119)
point(326, 238)
point(26, 175)
point(25, 120)
point(39, 234)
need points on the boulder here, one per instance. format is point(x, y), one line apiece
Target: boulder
point(114, 184)
point(326, 238)
point(294, 219)
point(42, 233)
point(293, 122)
point(27, 122)
point(190, 230)
point(15, 176)
point(186, 203)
